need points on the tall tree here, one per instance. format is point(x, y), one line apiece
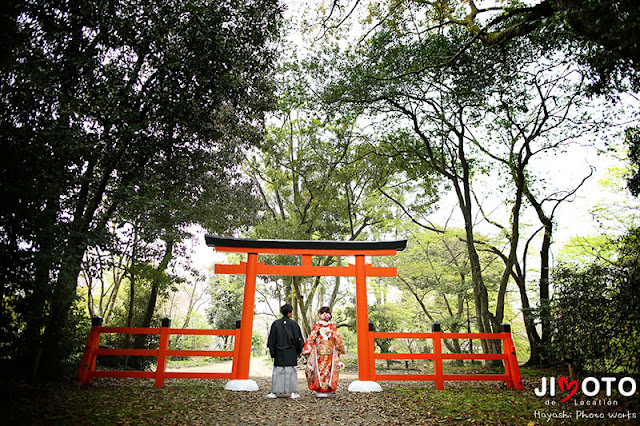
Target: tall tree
point(536, 114)
point(439, 112)
point(481, 117)
point(317, 181)
point(108, 96)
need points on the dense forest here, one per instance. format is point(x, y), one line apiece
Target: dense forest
point(132, 128)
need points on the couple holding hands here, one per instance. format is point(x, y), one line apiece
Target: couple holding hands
point(323, 348)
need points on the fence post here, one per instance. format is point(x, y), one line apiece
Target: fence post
point(163, 347)
point(437, 356)
point(236, 350)
point(511, 360)
point(506, 350)
point(372, 350)
point(88, 362)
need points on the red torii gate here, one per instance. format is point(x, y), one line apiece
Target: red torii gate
point(242, 345)
point(251, 268)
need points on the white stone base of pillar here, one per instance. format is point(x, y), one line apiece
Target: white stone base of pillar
point(364, 386)
point(241, 385)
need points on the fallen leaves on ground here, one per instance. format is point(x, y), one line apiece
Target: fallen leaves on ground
point(205, 402)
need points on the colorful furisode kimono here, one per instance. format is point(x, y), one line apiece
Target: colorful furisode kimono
point(324, 347)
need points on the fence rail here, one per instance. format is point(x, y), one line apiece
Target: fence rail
point(511, 376)
point(87, 370)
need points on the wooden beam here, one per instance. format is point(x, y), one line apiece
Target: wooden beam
point(307, 270)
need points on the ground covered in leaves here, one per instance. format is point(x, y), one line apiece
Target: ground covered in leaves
point(205, 402)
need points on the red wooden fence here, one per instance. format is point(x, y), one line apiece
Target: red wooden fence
point(512, 369)
point(87, 370)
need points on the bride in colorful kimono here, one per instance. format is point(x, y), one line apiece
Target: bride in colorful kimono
point(324, 347)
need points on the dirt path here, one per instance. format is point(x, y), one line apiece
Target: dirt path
point(259, 368)
point(342, 407)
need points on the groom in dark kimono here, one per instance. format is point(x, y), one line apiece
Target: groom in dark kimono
point(285, 344)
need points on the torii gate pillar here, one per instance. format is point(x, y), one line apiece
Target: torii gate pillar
point(364, 382)
point(251, 268)
point(246, 323)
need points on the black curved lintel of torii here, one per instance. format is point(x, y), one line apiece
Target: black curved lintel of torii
point(215, 240)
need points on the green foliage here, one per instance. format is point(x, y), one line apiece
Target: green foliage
point(119, 318)
point(435, 278)
point(318, 182)
point(632, 141)
point(345, 319)
point(119, 111)
point(477, 116)
point(605, 37)
point(599, 35)
point(71, 347)
point(388, 317)
point(596, 317)
point(258, 344)
point(584, 250)
point(435, 273)
point(226, 292)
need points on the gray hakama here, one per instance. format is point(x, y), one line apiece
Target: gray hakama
point(284, 380)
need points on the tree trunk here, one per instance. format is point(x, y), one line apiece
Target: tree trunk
point(545, 313)
point(481, 297)
point(302, 306)
point(336, 286)
point(480, 294)
point(545, 310)
point(132, 294)
point(156, 283)
point(193, 300)
point(117, 282)
point(529, 323)
point(62, 299)
point(36, 308)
